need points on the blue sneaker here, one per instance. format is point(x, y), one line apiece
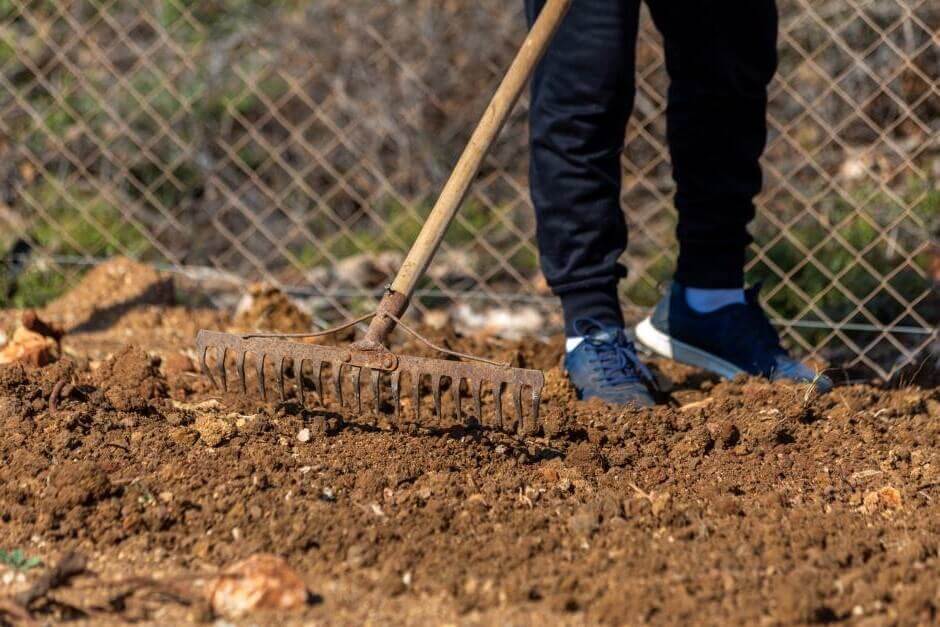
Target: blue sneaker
point(729, 341)
point(605, 366)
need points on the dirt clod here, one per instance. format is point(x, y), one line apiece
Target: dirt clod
point(586, 457)
point(77, 483)
point(584, 522)
point(266, 308)
point(259, 583)
point(886, 499)
point(213, 430)
point(131, 378)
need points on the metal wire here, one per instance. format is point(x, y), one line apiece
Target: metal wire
point(441, 349)
point(331, 331)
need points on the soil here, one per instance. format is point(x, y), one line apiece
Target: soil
point(265, 308)
point(743, 502)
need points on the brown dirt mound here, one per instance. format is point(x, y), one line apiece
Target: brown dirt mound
point(268, 309)
point(107, 292)
point(751, 503)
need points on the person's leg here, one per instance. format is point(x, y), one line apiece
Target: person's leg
point(582, 96)
point(720, 57)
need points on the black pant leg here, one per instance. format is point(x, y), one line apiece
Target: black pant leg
point(720, 55)
point(582, 96)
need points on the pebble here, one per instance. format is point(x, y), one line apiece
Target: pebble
point(260, 583)
point(584, 522)
point(304, 435)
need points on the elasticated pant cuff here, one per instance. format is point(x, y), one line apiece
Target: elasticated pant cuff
point(710, 268)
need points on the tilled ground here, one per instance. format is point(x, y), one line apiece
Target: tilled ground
point(744, 502)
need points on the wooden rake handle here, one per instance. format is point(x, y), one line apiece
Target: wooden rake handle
point(498, 111)
point(455, 190)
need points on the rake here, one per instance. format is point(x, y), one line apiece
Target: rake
point(304, 362)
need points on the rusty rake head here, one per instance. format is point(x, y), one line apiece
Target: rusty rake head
point(302, 363)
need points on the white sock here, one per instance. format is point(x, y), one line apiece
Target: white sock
point(572, 343)
point(707, 301)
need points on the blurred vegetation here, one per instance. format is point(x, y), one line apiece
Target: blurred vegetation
point(271, 138)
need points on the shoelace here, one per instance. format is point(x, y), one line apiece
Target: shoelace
point(617, 356)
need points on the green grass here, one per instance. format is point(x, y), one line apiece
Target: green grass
point(401, 230)
point(835, 245)
point(34, 288)
point(77, 224)
point(83, 223)
point(18, 560)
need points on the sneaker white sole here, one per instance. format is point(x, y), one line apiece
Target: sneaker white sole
point(665, 346)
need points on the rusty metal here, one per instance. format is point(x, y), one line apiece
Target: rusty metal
point(371, 354)
point(307, 362)
point(392, 305)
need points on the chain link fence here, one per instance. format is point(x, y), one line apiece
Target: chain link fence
point(301, 143)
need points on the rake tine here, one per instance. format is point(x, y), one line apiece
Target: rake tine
point(299, 375)
point(396, 393)
point(240, 369)
point(294, 360)
point(260, 366)
point(498, 397)
point(376, 391)
point(416, 377)
point(280, 379)
point(338, 383)
point(477, 391)
point(357, 379)
point(203, 362)
point(536, 398)
point(222, 375)
point(318, 380)
point(436, 390)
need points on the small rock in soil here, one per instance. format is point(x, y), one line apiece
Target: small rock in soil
point(30, 348)
point(584, 522)
point(261, 582)
point(886, 499)
point(214, 431)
